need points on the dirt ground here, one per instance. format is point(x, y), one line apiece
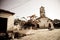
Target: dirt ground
point(42, 34)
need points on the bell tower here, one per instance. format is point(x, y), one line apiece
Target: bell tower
point(42, 12)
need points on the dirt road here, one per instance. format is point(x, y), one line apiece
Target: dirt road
point(42, 34)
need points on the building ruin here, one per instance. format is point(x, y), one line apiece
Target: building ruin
point(44, 22)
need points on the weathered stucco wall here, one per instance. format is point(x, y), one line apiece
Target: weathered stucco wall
point(10, 22)
point(4, 15)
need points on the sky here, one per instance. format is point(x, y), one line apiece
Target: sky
point(24, 8)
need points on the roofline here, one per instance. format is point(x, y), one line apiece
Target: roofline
point(1, 10)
